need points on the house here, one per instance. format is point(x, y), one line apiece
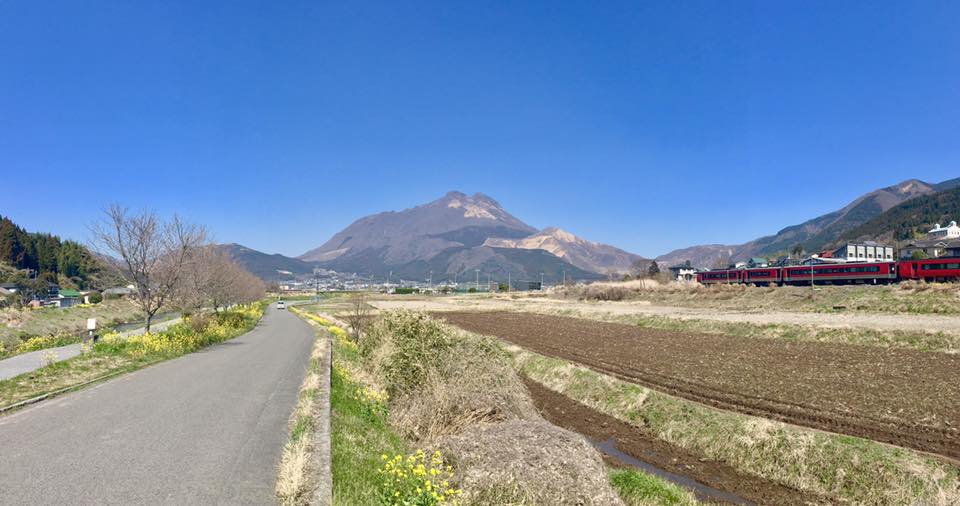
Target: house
point(683, 272)
point(951, 231)
point(931, 248)
point(864, 252)
point(757, 262)
point(66, 298)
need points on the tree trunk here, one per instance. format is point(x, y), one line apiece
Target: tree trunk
point(149, 319)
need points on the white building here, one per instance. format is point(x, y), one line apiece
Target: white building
point(951, 231)
point(865, 252)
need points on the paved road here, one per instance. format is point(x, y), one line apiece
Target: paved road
point(26, 362)
point(205, 428)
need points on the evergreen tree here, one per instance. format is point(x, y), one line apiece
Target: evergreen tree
point(654, 269)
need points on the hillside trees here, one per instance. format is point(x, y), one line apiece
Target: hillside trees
point(152, 253)
point(64, 262)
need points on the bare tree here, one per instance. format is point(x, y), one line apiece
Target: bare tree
point(151, 253)
point(214, 280)
point(359, 314)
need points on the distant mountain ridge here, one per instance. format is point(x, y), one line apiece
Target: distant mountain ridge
point(265, 266)
point(816, 233)
point(460, 235)
point(912, 218)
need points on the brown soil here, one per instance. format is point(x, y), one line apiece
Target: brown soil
point(637, 443)
point(898, 396)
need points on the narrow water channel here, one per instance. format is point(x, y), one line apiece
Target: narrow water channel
point(701, 491)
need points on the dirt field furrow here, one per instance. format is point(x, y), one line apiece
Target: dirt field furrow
point(898, 396)
point(633, 441)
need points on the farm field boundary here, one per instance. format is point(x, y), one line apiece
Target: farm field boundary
point(874, 393)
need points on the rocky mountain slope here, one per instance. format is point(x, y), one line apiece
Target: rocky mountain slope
point(816, 233)
point(587, 255)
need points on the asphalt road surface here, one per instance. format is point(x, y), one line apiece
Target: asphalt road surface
point(205, 428)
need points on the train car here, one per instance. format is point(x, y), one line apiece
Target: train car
point(761, 276)
point(931, 269)
point(722, 276)
point(841, 274)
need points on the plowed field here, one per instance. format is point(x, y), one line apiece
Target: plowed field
point(898, 396)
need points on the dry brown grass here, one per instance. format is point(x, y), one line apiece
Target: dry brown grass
point(460, 392)
point(528, 462)
point(297, 475)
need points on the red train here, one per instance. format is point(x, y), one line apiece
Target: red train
point(933, 269)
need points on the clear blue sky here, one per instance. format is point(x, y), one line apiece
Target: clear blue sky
point(648, 125)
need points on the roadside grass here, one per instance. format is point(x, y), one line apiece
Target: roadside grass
point(359, 432)
point(114, 354)
point(842, 468)
point(358, 439)
point(637, 488)
point(297, 474)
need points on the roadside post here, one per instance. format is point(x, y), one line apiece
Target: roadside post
point(91, 331)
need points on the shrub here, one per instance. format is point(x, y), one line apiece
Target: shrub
point(410, 342)
point(95, 297)
point(43, 342)
point(233, 319)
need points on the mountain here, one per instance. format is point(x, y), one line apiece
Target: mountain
point(816, 233)
point(265, 266)
point(912, 218)
point(449, 237)
point(587, 255)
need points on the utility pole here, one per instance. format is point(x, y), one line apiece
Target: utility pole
point(478, 279)
point(508, 282)
point(564, 277)
point(541, 281)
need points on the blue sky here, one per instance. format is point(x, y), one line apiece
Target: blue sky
point(648, 125)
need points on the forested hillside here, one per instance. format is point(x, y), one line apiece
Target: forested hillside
point(911, 218)
point(45, 256)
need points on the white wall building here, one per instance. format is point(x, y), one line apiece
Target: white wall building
point(865, 252)
point(951, 231)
